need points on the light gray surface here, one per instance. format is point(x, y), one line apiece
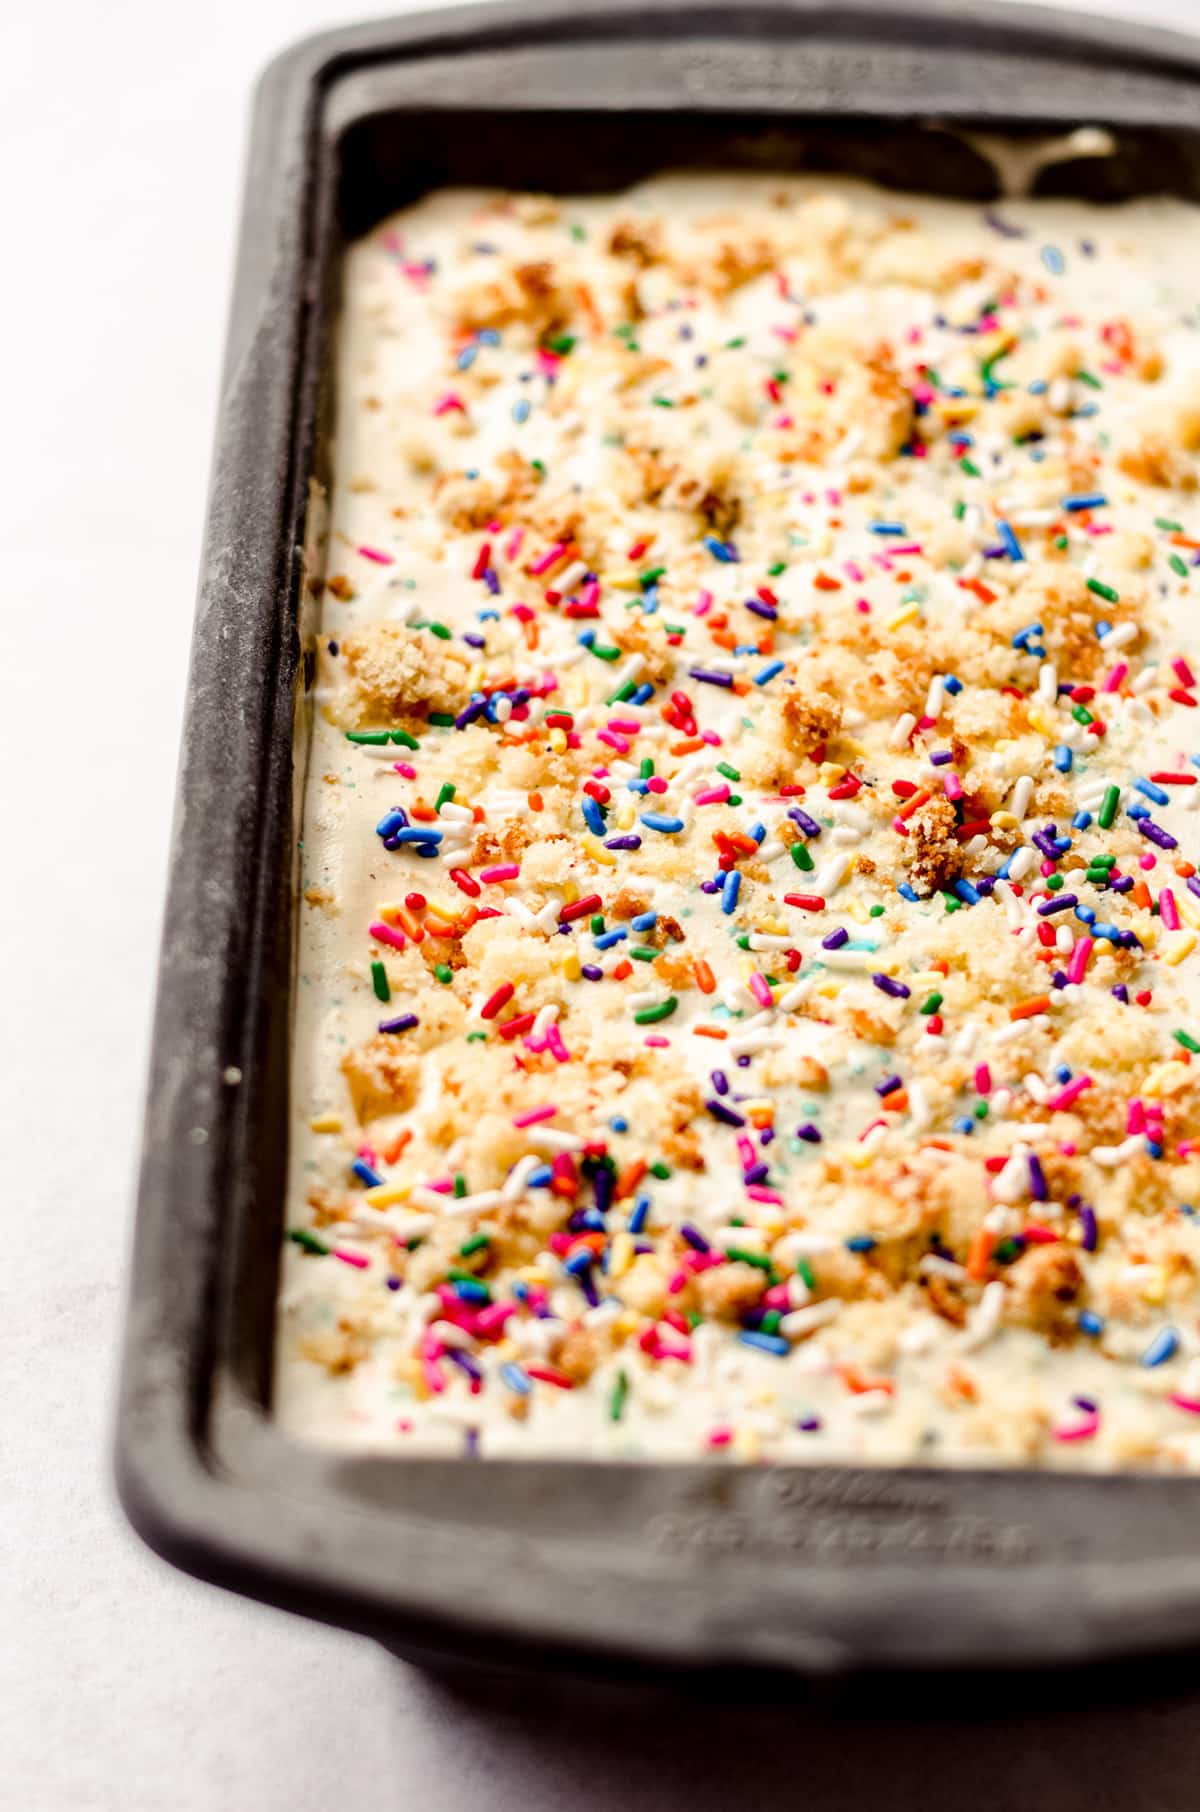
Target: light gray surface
point(124, 1687)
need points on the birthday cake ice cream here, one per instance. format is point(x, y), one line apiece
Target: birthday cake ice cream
point(749, 971)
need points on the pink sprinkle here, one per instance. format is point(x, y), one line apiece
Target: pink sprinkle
point(713, 795)
point(1184, 672)
point(490, 1320)
point(760, 987)
point(357, 1259)
point(556, 1047)
point(677, 1283)
point(1147, 862)
point(953, 786)
point(1167, 909)
point(1077, 967)
point(834, 499)
point(1135, 1117)
point(864, 606)
point(711, 738)
point(383, 934)
point(533, 1114)
point(853, 571)
point(656, 784)
point(406, 768)
point(1113, 680)
point(523, 613)
point(512, 546)
point(433, 1377)
point(377, 554)
point(746, 1152)
point(449, 402)
point(758, 1192)
point(614, 742)
point(703, 604)
point(983, 1079)
point(1099, 528)
point(1191, 1404)
point(503, 871)
point(550, 558)
point(909, 547)
point(777, 1297)
point(658, 1043)
point(628, 726)
point(720, 1437)
point(590, 594)
point(1078, 1431)
point(1069, 1094)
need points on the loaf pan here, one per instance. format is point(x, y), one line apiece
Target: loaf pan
point(821, 1572)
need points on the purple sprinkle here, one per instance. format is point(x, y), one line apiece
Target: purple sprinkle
point(694, 1237)
point(1121, 992)
point(888, 1086)
point(470, 712)
point(836, 939)
point(809, 1133)
point(1156, 833)
point(464, 1360)
point(1087, 1228)
point(887, 984)
point(809, 1424)
point(1059, 979)
point(808, 825)
point(1047, 843)
point(762, 610)
point(631, 842)
point(492, 582)
point(940, 757)
point(404, 1023)
point(710, 678)
point(1060, 902)
point(1194, 885)
point(757, 1173)
point(474, 641)
point(726, 1115)
point(590, 972)
point(1037, 1178)
point(720, 1081)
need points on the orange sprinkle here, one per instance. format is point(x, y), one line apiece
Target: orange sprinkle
point(1029, 1009)
point(688, 746)
point(1140, 894)
point(896, 1102)
point(536, 802)
point(630, 1177)
point(941, 965)
point(392, 1152)
point(858, 1381)
point(825, 582)
point(710, 1032)
point(980, 1255)
point(913, 804)
point(623, 968)
point(706, 981)
point(424, 814)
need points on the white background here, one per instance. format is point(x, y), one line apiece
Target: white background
point(123, 1686)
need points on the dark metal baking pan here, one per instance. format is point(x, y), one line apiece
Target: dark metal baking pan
point(823, 1572)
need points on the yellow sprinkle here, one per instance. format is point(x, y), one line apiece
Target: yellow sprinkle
point(570, 891)
point(1154, 1290)
point(626, 815)
point(860, 1158)
point(908, 614)
point(1166, 1079)
point(773, 928)
point(634, 584)
point(620, 1255)
point(1189, 909)
point(476, 674)
point(386, 1195)
point(1183, 945)
point(558, 740)
point(571, 966)
point(597, 851)
point(1004, 821)
point(435, 910)
point(831, 772)
point(1041, 720)
point(626, 1323)
point(326, 1123)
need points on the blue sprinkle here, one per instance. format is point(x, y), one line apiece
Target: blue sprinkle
point(541, 1178)
point(966, 892)
point(645, 921)
point(520, 409)
point(724, 551)
point(1084, 500)
point(418, 833)
point(637, 1218)
point(1053, 260)
point(1164, 1346)
point(659, 821)
point(1063, 758)
point(965, 1125)
point(1081, 820)
point(730, 888)
point(593, 817)
point(607, 939)
point(953, 685)
point(886, 528)
point(467, 356)
point(766, 1343)
point(861, 1242)
point(618, 1123)
point(394, 821)
point(1159, 794)
point(365, 1174)
point(908, 892)
point(768, 673)
point(1090, 1322)
point(516, 1378)
point(1012, 546)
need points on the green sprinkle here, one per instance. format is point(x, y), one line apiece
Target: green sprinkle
point(1172, 528)
point(404, 740)
point(663, 402)
point(801, 857)
point(646, 771)
point(603, 654)
point(651, 576)
point(734, 799)
point(1090, 379)
point(969, 467)
point(960, 510)
point(379, 982)
point(1177, 565)
point(660, 1170)
point(460, 1185)
point(442, 720)
point(643, 953)
point(445, 794)
point(476, 1243)
point(981, 1110)
point(1082, 715)
point(440, 630)
point(1053, 883)
point(804, 1272)
point(876, 912)
point(952, 902)
point(1104, 591)
point(308, 1242)
point(651, 1016)
point(742, 940)
point(776, 567)
point(932, 1005)
point(1108, 807)
point(616, 1401)
point(770, 1322)
point(730, 773)
point(621, 694)
point(732, 345)
point(375, 737)
point(1061, 543)
point(1187, 1041)
point(596, 924)
point(742, 1255)
point(444, 972)
point(563, 343)
point(476, 1037)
